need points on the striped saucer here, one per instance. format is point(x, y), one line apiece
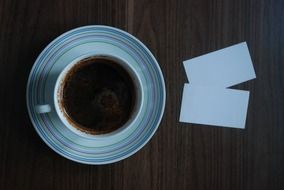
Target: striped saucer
point(96, 40)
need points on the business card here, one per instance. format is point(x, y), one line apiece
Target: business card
point(222, 68)
point(214, 106)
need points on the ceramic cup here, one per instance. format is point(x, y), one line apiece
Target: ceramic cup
point(58, 87)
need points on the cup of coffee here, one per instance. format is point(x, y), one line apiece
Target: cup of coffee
point(96, 95)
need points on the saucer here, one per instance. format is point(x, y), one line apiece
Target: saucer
point(96, 40)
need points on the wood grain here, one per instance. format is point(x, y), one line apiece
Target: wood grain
point(179, 156)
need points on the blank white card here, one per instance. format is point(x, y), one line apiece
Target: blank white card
point(223, 68)
point(214, 106)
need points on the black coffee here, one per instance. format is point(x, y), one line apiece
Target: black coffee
point(98, 95)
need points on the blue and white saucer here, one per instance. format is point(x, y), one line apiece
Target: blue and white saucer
point(96, 40)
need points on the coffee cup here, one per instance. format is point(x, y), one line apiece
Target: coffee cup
point(95, 95)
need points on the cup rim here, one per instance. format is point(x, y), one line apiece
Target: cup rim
point(138, 100)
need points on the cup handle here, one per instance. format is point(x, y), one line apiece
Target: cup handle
point(45, 108)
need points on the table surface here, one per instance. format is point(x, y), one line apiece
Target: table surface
point(179, 156)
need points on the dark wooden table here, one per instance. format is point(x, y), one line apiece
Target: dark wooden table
point(179, 156)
